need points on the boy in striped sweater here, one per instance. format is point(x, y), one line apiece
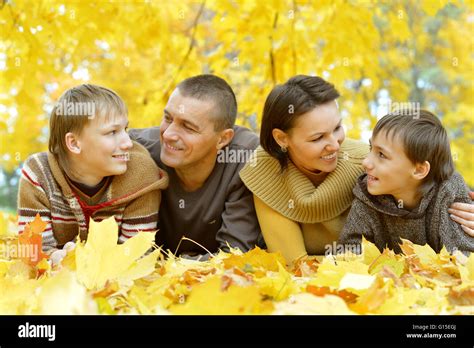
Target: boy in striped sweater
point(92, 170)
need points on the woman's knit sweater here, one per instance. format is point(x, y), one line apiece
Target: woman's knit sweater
point(296, 217)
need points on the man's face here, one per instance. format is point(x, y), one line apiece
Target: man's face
point(389, 170)
point(105, 146)
point(187, 132)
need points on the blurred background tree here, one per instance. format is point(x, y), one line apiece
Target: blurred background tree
point(375, 52)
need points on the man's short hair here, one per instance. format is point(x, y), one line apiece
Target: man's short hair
point(424, 139)
point(211, 87)
point(74, 109)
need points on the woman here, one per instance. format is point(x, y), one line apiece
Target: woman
point(305, 169)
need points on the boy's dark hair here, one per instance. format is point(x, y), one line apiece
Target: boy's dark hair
point(424, 139)
point(211, 87)
point(286, 103)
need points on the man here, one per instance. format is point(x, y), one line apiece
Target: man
point(203, 151)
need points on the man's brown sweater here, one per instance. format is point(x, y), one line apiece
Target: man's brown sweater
point(380, 220)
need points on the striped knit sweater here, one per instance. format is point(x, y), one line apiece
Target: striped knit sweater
point(133, 198)
point(297, 217)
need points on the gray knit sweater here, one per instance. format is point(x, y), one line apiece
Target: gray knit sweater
point(382, 222)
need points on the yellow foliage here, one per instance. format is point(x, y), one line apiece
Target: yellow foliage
point(364, 48)
point(255, 260)
point(361, 47)
point(101, 259)
point(99, 276)
point(209, 298)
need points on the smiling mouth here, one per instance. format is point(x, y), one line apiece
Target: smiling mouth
point(329, 157)
point(123, 156)
point(172, 148)
point(371, 178)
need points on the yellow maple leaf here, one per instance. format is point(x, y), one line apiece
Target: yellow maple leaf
point(413, 301)
point(279, 286)
point(74, 298)
point(372, 299)
point(17, 295)
point(426, 254)
point(357, 283)
point(305, 303)
point(330, 273)
point(208, 298)
point(467, 272)
point(254, 260)
point(387, 259)
point(4, 267)
point(101, 259)
point(8, 225)
point(369, 251)
point(150, 299)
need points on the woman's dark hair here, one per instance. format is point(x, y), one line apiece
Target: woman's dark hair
point(286, 103)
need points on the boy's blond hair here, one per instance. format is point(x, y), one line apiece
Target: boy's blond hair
point(75, 109)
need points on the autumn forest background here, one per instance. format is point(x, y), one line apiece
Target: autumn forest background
point(375, 52)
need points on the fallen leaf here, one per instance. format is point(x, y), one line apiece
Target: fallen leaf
point(254, 260)
point(100, 258)
point(308, 304)
point(277, 285)
point(30, 242)
point(207, 298)
point(372, 299)
point(347, 296)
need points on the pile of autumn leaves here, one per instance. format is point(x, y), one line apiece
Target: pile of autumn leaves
point(101, 277)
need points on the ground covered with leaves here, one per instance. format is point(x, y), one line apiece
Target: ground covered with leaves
point(101, 277)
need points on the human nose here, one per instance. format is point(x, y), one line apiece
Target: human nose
point(333, 145)
point(169, 132)
point(367, 163)
point(125, 142)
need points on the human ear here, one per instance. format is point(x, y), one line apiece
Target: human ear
point(72, 143)
point(225, 138)
point(280, 137)
point(421, 170)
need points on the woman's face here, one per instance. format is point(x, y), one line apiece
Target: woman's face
point(315, 139)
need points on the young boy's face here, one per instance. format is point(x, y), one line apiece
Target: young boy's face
point(105, 145)
point(389, 171)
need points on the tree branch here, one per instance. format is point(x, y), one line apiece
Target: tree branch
point(272, 58)
point(186, 56)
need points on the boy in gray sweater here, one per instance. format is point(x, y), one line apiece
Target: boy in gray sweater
point(409, 184)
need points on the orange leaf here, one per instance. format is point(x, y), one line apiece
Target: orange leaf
point(194, 276)
point(461, 297)
point(347, 296)
point(30, 242)
point(372, 299)
point(37, 226)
